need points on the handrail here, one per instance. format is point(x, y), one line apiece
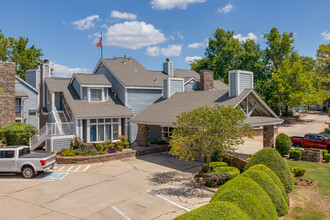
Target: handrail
point(66, 111)
point(56, 116)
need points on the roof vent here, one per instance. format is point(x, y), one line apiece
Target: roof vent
point(155, 80)
point(238, 81)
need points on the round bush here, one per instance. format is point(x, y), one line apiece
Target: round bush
point(229, 172)
point(216, 210)
point(18, 133)
point(283, 144)
point(295, 154)
point(273, 160)
point(272, 175)
point(248, 196)
point(270, 188)
point(213, 165)
point(299, 171)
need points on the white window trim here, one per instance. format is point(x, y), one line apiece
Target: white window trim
point(89, 94)
point(89, 124)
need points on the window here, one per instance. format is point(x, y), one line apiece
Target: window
point(32, 111)
point(167, 132)
point(24, 152)
point(104, 129)
point(96, 94)
point(8, 154)
point(318, 138)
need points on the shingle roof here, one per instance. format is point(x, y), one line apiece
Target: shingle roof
point(260, 121)
point(219, 85)
point(181, 73)
point(91, 79)
point(165, 112)
point(19, 93)
point(132, 73)
point(83, 109)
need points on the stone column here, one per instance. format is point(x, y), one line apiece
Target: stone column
point(142, 135)
point(269, 136)
point(7, 93)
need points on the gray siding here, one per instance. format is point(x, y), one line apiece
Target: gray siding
point(58, 100)
point(116, 86)
point(192, 85)
point(137, 101)
point(58, 144)
point(84, 93)
point(33, 78)
point(245, 81)
point(45, 94)
point(232, 84)
point(155, 132)
point(76, 86)
point(29, 103)
point(165, 89)
point(176, 86)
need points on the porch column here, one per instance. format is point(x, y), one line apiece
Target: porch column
point(142, 135)
point(269, 136)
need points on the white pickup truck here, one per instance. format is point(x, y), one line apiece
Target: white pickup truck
point(19, 159)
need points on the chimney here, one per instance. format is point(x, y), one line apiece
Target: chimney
point(33, 76)
point(238, 81)
point(7, 93)
point(168, 67)
point(206, 80)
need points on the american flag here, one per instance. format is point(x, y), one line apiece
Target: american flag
point(99, 43)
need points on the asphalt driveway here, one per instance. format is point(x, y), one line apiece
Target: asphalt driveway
point(156, 186)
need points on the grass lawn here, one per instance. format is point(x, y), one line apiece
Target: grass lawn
point(311, 202)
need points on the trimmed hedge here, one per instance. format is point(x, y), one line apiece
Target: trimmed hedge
point(273, 160)
point(270, 188)
point(229, 172)
point(272, 175)
point(18, 133)
point(326, 157)
point(299, 171)
point(248, 196)
point(213, 165)
point(295, 154)
point(216, 210)
point(283, 144)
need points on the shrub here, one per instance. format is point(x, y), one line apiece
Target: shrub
point(99, 147)
point(299, 171)
point(248, 196)
point(295, 154)
point(327, 130)
point(324, 151)
point(158, 141)
point(216, 210)
point(283, 144)
point(213, 165)
point(18, 133)
point(229, 172)
point(1, 134)
point(273, 160)
point(273, 176)
point(275, 194)
point(217, 156)
point(112, 150)
point(326, 157)
point(212, 179)
point(126, 144)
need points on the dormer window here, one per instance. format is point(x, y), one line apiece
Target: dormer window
point(96, 95)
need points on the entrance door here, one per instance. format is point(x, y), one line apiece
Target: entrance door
point(84, 124)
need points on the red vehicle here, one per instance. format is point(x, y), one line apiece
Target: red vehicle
point(311, 141)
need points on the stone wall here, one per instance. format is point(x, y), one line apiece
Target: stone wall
point(7, 95)
point(235, 162)
point(113, 156)
point(206, 80)
point(312, 155)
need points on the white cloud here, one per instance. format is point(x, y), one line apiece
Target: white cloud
point(198, 45)
point(65, 71)
point(180, 35)
point(170, 4)
point(326, 35)
point(228, 8)
point(85, 23)
point(133, 35)
point(250, 36)
point(192, 59)
point(171, 50)
point(152, 51)
point(123, 15)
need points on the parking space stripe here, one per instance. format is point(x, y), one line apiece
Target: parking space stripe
point(86, 168)
point(77, 169)
point(61, 168)
point(173, 203)
point(120, 212)
point(25, 180)
point(69, 168)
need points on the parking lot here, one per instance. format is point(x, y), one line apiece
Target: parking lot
point(156, 186)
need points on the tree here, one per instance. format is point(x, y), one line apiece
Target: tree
point(17, 52)
point(206, 130)
point(225, 53)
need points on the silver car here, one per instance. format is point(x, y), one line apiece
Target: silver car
point(19, 159)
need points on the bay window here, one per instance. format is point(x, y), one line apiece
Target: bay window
point(104, 129)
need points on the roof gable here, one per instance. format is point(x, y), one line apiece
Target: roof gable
point(26, 84)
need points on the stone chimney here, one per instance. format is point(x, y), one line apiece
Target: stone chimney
point(168, 67)
point(7, 93)
point(206, 80)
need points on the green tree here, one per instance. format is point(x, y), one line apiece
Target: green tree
point(18, 52)
point(224, 53)
point(206, 130)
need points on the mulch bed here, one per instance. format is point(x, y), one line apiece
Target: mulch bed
point(303, 181)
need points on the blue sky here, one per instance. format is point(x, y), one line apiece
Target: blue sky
point(151, 30)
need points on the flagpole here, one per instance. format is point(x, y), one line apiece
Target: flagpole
point(101, 46)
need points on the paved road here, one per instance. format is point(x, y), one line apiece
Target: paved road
point(310, 123)
point(157, 186)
